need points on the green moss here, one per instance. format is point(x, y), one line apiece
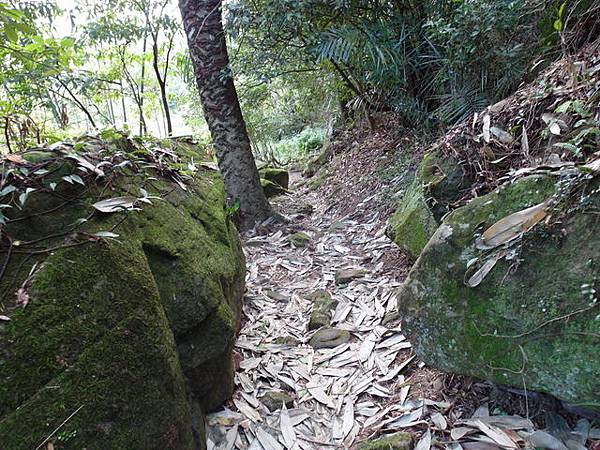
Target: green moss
point(117, 326)
point(323, 304)
point(271, 189)
point(89, 340)
point(319, 179)
point(299, 239)
point(275, 175)
point(461, 329)
point(36, 157)
point(396, 441)
point(411, 226)
point(438, 182)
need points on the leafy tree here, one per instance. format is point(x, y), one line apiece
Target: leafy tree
point(427, 60)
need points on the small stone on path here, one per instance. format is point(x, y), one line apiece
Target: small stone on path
point(329, 338)
point(336, 226)
point(344, 276)
point(322, 306)
point(273, 400)
point(278, 296)
point(397, 441)
point(299, 239)
point(286, 340)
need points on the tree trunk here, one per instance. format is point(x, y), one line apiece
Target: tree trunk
point(208, 51)
point(123, 105)
point(162, 84)
point(143, 127)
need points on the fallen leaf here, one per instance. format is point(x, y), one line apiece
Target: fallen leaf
point(267, 441)
point(512, 226)
point(439, 421)
point(497, 435)
point(481, 273)
point(458, 433)
point(17, 159)
point(111, 205)
point(541, 439)
point(287, 429)
point(425, 442)
point(86, 164)
point(486, 128)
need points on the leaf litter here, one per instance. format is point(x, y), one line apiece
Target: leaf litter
point(354, 392)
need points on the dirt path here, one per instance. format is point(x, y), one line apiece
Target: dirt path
point(336, 395)
point(291, 395)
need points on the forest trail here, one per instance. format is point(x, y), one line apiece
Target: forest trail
point(339, 395)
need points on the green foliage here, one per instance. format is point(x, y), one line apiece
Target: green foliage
point(437, 60)
point(296, 148)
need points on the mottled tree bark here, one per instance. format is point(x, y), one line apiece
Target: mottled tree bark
point(206, 39)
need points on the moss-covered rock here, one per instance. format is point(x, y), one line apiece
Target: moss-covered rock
point(274, 400)
point(276, 175)
point(299, 239)
point(534, 319)
point(132, 332)
point(271, 189)
point(438, 182)
point(396, 441)
point(329, 338)
point(345, 276)
point(323, 304)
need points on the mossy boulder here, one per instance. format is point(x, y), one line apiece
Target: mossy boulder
point(439, 181)
point(271, 189)
point(276, 175)
point(125, 319)
point(534, 320)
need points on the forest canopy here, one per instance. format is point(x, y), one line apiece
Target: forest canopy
point(71, 67)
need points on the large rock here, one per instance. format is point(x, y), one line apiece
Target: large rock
point(534, 319)
point(276, 175)
point(271, 189)
point(439, 181)
point(133, 334)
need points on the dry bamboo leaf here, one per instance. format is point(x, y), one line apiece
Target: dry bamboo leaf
point(17, 159)
point(525, 142)
point(319, 395)
point(425, 442)
point(594, 166)
point(541, 439)
point(458, 433)
point(267, 441)
point(477, 277)
point(230, 438)
point(439, 421)
point(503, 136)
point(512, 226)
point(287, 429)
point(486, 128)
point(348, 418)
point(247, 410)
point(111, 205)
point(506, 422)
point(367, 347)
point(497, 435)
